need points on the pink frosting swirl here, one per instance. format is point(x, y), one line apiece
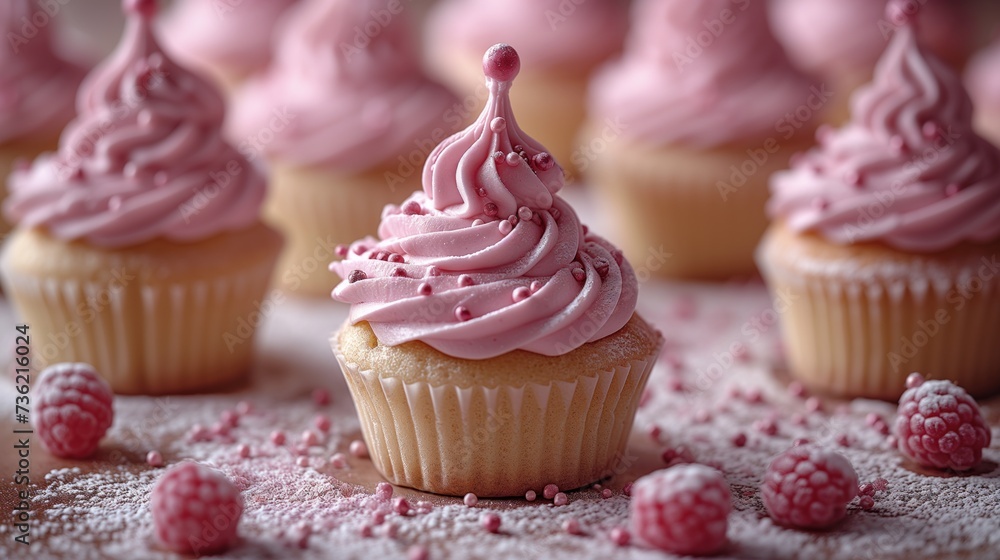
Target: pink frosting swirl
point(686, 78)
point(487, 259)
point(983, 78)
point(233, 36)
point(36, 85)
point(847, 36)
point(907, 171)
point(145, 158)
point(349, 78)
point(549, 33)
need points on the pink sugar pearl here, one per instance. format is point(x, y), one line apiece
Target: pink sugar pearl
point(195, 509)
point(490, 522)
point(72, 409)
point(808, 487)
point(939, 425)
point(501, 62)
point(683, 509)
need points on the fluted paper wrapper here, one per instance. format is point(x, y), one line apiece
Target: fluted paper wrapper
point(498, 441)
point(146, 336)
point(857, 333)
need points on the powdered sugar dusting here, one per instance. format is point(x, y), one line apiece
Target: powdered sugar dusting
point(100, 508)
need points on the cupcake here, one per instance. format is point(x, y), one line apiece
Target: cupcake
point(228, 41)
point(345, 122)
point(36, 89)
point(562, 42)
point(883, 254)
point(983, 80)
point(492, 345)
point(683, 136)
point(841, 41)
point(138, 246)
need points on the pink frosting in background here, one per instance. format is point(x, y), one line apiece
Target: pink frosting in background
point(983, 78)
point(560, 34)
point(348, 76)
point(233, 36)
point(145, 158)
point(487, 258)
point(665, 91)
point(833, 38)
point(37, 86)
point(907, 170)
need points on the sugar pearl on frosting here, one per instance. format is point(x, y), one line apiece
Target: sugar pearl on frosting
point(525, 213)
point(501, 63)
point(465, 280)
point(481, 191)
point(952, 189)
point(535, 286)
point(395, 258)
point(425, 289)
point(490, 209)
point(543, 161)
point(498, 124)
point(930, 130)
point(555, 212)
point(897, 143)
point(505, 227)
point(399, 272)
point(462, 313)
point(602, 266)
point(579, 274)
point(412, 208)
point(356, 276)
point(340, 251)
point(513, 159)
point(499, 156)
point(521, 294)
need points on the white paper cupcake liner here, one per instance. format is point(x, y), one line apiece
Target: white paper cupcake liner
point(859, 331)
point(146, 338)
point(498, 441)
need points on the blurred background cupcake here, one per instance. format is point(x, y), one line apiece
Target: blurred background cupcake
point(685, 129)
point(345, 118)
point(886, 235)
point(840, 41)
point(983, 81)
point(560, 42)
point(139, 246)
point(228, 41)
point(37, 86)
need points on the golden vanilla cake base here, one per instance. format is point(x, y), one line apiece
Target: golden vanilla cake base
point(499, 426)
point(705, 208)
point(858, 319)
point(156, 318)
point(318, 210)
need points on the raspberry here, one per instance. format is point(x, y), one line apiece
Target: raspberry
point(808, 487)
point(73, 409)
point(939, 425)
point(683, 509)
point(195, 509)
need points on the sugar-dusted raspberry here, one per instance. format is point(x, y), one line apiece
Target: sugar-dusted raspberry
point(683, 509)
point(939, 425)
point(72, 409)
point(195, 509)
point(809, 487)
